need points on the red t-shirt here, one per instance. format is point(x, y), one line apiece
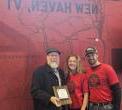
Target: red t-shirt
point(100, 79)
point(77, 85)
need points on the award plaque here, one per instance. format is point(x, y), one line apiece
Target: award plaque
point(62, 93)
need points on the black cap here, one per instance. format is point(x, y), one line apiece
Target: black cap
point(49, 50)
point(90, 50)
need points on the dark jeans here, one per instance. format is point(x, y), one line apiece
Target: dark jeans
point(100, 106)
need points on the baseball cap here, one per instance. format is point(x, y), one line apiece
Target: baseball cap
point(49, 50)
point(90, 50)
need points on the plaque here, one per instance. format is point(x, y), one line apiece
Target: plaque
point(62, 93)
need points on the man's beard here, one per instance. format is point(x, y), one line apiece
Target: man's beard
point(92, 62)
point(53, 65)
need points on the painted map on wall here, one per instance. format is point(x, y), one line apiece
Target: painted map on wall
point(29, 27)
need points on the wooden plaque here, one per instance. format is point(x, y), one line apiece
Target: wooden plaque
point(62, 93)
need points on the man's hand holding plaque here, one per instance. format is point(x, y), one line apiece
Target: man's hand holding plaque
point(56, 101)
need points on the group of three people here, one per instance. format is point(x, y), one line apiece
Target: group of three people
point(97, 88)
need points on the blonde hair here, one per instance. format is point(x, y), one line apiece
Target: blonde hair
point(79, 68)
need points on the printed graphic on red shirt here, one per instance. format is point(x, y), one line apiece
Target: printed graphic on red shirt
point(94, 81)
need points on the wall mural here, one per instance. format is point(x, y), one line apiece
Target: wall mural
point(29, 27)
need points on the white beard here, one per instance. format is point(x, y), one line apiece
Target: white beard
point(53, 65)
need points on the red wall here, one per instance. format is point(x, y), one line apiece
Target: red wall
point(28, 27)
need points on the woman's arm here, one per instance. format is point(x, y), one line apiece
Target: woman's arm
point(85, 101)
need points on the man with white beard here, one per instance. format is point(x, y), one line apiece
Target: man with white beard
point(43, 80)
